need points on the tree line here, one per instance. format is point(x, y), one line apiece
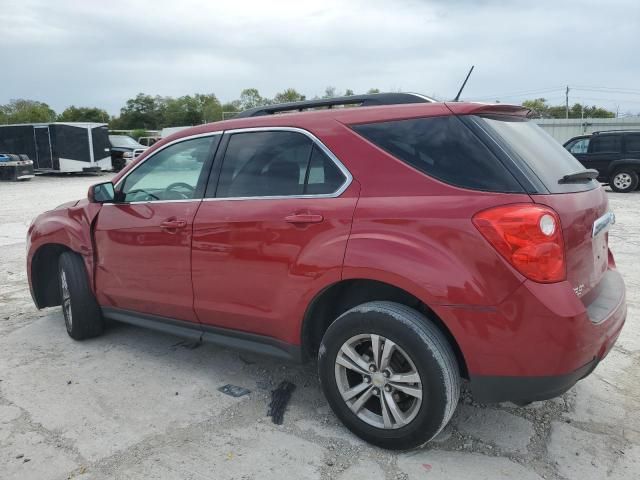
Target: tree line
point(150, 112)
point(541, 109)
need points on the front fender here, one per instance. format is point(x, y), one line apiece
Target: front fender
point(69, 227)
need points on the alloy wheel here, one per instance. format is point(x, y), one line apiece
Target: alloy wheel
point(378, 381)
point(622, 180)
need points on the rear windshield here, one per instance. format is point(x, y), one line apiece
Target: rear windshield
point(535, 150)
point(444, 148)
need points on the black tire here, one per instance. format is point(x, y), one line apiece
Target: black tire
point(428, 350)
point(82, 315)
point(623, 180)
point(117, 163)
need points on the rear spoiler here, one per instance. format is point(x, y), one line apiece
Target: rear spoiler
point(487, 109)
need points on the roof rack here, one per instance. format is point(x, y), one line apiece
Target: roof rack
point(360, 100)
point(616, 131)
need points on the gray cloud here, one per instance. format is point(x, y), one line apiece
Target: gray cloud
point(101, 53)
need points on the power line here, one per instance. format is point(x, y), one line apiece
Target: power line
point(521, 93)
point(613, 100)
point(632, 91)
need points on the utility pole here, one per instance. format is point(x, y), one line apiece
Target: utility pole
point(567, 103)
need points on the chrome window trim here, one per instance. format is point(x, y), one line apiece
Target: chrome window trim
point(316, 141)
point(178, 140)
point(311, 136)
point(155, 201)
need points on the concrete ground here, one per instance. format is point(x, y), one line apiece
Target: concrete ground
point(136, 403)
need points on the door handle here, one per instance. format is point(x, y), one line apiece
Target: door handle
point(304, 218)
point(173, 224)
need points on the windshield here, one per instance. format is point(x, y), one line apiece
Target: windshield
point(124, 141)
point(537, 151)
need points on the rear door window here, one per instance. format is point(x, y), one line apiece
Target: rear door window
point(632, 143)
point(606, 144)
point(276, 164)
point(444, 148)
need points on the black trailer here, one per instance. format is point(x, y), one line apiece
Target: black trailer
point(60, 147)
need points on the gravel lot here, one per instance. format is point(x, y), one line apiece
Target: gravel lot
point(136, 403)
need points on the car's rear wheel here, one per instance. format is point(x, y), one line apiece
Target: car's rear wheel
point(389, 374)
point(82, 315)
point(624, 181)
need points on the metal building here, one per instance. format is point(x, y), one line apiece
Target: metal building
point(564, 129)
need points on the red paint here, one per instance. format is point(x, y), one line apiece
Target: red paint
point(142, 265)
point(255, 265)
point(256, 271)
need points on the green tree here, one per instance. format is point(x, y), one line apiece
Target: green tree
point(538, 107)
point(143, 111)
point(373, 90)
point(209, 106)
point(541, 109)
point(139, 132)
point(83, 114)
point(229, 109)
point(330, 92)
point(288, 95)
point(348, 92)
point(26, 111)
point(251, 98)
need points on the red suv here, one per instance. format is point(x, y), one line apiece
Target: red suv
point(405, 244)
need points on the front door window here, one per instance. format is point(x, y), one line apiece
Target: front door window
point(171, 174)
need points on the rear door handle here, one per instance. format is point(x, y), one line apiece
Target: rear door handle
point(173, 224)
point(304, 218)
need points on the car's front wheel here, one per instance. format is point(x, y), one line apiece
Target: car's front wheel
point(389, 374)
point(82, 315)
point(624, 181)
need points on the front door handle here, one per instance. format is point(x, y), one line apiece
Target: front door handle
point(304, 218)
point(173, 225)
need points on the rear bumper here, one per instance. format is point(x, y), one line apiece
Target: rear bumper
point(488, 389)
point(540, 341)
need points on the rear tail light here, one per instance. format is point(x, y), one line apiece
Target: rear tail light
point(528, 236)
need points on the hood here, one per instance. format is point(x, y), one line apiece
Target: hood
point(72, 203)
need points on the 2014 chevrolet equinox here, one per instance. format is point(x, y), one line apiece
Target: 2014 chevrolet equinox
point(405, 246)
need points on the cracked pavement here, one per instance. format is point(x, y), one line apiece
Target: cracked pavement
point(141, 404)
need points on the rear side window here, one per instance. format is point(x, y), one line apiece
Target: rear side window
point(275, 164)
point(633, 143)
point(606, 144)
point(444, 148)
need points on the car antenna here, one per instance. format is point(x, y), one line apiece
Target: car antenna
point(463, 84)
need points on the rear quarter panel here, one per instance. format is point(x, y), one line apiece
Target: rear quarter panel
point(416, 232)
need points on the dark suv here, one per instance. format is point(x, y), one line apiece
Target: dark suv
point(614, 154)
point(402, 247)
point(124, 149)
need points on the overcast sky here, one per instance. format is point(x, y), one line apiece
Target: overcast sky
point(100, 53)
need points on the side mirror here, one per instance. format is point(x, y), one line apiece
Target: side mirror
point(101, 193)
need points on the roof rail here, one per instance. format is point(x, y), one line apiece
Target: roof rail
point(367, 100)
point(616, 131)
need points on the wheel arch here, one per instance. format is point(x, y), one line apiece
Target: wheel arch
point(44, 274)
point(630, 163)
point(341, 296)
